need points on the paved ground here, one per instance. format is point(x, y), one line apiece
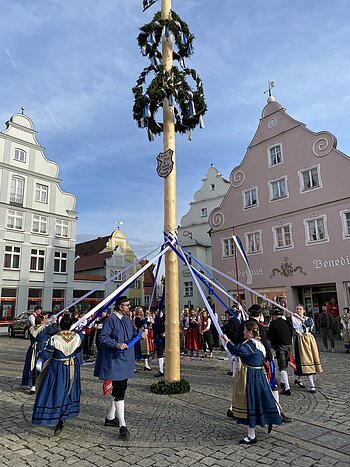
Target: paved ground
point(183, 430)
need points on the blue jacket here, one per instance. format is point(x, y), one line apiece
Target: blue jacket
point(110, 363)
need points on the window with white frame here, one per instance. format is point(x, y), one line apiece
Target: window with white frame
point(14, 219)
point(39, 224)
point(41, 193)
point(20, 155)
point(345, 216)
point(212, 186)
point(17, 190)
point(316, 230)
point(118, 275)
point(188, 289)
point(228, 248)
point(310, 178)
point(275, 155)
point(253, 242)
point(136, 284)
point(60, 262)
point(282, 236)
point(62, 228)
point(12, 257)
point(147, 299)
point(204, 212)
point(278, 189)
point(37, 259)
point(250, 198)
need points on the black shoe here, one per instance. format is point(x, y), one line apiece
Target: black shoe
point(285, 419)
point(229, 373)
point(269, 429)
point(282, 385)
point(113, 422)
point(32, 391)
point(347, 350)
point(229, 413)
point(124, 433)
point(286, 392)
point(159, 374)
point(147, 369)
point(58, 428)
point(312, 390)
point(299, 383)
point(248, 440)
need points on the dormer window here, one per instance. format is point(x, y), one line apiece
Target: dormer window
point(20, 155)
point(275, 155)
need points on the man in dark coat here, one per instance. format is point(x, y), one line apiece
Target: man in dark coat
point(115, 361)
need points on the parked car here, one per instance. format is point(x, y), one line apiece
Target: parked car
point(20, 325)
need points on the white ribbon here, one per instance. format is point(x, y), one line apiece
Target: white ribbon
point(122, 287)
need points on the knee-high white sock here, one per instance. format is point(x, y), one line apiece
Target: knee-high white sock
point(311, 381)
point(284, 378)
point(146, 363)
point(251, 433)
point(276, 396)
point(161, 364)
point(119, 411)
point(111, 411)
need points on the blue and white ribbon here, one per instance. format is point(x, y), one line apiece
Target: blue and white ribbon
point(191, 107)
point(239, 247)
point(201, 122)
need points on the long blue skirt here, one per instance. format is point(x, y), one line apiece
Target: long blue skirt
point(261, 405)
point(54, 402)
point(29, 376)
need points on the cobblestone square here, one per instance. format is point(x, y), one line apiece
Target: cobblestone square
point(183, 430)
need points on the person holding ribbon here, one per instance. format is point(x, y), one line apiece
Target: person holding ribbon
point(39, 334)
point(115, 361)
point(58, 385)
point(253, 403)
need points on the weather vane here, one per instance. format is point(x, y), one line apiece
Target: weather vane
point(271, 84)
point(22, 110)
point(147, 4)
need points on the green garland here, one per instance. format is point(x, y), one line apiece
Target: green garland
point(176, 26)
point(177, 387)
point(189, 104)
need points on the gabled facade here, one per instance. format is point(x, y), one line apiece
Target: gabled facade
point(193, 232)
point(289, 204)
point(99, 259)
point(37, 225)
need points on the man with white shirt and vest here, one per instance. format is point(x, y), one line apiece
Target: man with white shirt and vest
point(115, 361)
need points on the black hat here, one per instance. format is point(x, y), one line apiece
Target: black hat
point(277, 312)
point(119, 301)
point(255, 310)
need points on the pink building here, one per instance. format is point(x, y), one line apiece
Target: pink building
point(290, 205)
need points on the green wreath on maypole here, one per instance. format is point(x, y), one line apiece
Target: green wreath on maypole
point(187, 101)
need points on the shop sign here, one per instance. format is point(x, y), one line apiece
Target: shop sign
point(332, 263)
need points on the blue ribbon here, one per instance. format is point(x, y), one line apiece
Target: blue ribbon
point(131, 343)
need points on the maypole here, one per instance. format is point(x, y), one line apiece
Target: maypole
point(183, 110)
point(172, 317)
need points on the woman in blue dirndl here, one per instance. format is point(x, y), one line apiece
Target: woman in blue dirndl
point(58, 385)
point(253, 402)
point(39, 334)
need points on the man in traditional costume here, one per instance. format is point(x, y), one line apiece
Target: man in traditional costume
point(116, 362)
point(280, 335)
point(58, 385)
point(252, 403)
point(307, 358)
point(345, 321)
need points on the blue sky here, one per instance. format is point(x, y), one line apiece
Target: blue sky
point(72, 65)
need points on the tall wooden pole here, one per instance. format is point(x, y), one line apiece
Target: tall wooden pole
point(172, 320)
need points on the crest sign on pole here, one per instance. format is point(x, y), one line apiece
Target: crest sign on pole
point(165, 163)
